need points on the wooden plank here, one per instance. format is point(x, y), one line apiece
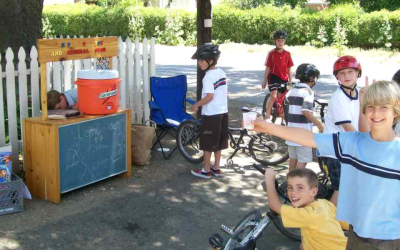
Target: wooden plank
point(122, 73)
point(43, 90)
point(52, 164)
point(28, 147)
point(39, 161)
point(128, 173)
point(51, 50)
point(130, 76)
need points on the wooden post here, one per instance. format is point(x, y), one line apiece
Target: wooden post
point(43, 90)
point(204, 28)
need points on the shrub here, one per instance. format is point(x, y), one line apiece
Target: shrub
point(361, 29)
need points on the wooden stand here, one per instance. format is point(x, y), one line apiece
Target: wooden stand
point(62, 155)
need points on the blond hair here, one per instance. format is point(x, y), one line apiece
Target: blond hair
point(53, 98)
point(383, 93)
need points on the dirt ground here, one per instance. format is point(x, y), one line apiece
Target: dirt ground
point(161, 207)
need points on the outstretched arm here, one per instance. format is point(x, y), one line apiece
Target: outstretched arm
point(266, 73)
point(297, 135)
point(273, 198)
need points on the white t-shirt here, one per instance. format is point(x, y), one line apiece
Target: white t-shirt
point(301, 98)
point(215, 82)
point(342, 109)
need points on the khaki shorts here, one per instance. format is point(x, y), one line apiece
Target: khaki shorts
point(301, 153)
point(356, 242)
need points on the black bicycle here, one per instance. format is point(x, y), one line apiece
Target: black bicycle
point(264, 148)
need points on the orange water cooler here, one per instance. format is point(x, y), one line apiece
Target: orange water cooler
point(98, 91)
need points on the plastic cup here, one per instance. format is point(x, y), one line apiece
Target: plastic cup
point(248, 118)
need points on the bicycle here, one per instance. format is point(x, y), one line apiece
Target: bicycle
point(263, 148)
point(245, 234)
point(280, 107)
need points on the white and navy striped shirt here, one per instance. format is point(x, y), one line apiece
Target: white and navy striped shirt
point(301, 98)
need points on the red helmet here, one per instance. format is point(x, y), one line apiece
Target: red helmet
point(346, 62)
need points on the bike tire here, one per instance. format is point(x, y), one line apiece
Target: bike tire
point(268, 150)
point(242, 229)
point(291, 233)
point(188, 140)
point(274, 113)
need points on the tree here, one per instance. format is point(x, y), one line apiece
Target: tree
point(20, 23)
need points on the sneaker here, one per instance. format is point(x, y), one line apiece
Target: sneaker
point(201, 174)
point(216, 172)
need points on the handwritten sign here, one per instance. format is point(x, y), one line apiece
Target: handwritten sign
point(51, 50)
point(91, 151)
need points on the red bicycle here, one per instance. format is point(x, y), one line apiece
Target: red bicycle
point(280, 107)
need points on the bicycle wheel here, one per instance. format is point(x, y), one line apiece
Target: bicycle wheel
point(274, 113)
point(242, 229)
point(188, 140)
point(291, 233)
point(268, 149)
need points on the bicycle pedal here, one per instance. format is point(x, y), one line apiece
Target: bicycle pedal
point(227, 230)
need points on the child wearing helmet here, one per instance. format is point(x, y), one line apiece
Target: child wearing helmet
point(214, 103)
point(300, 115)
point(343, 111)
point(277, 69)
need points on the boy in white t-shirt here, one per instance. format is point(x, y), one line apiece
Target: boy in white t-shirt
point(343, 111)
point(214, 103)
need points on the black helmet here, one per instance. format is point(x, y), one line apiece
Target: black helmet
point(279, 34)
point(396, 77)
point(207, 51)
point(306, 71)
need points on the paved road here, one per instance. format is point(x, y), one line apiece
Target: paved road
point(245, 70)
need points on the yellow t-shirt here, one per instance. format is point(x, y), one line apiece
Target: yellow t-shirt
point(319, 228)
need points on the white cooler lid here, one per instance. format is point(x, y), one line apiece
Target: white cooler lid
point(97, 74)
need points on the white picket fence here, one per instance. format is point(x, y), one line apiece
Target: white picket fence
point(135, 63)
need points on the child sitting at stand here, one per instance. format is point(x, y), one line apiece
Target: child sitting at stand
point(66, 100)
point(315, 218)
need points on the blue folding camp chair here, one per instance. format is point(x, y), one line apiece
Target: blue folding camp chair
point(168, 107)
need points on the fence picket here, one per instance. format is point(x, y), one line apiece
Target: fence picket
point(2, 127)
point(35, 82)
point(131, 75)
point(12, 110)
point(122, 70)
point(138, 84)
point(22, 85)
point(146, 78)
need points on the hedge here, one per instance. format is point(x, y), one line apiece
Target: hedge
point(255, 26)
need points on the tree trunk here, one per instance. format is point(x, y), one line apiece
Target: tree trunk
point(20, 24)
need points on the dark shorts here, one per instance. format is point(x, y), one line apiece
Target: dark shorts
point(214, 133)
point(356, 242)
point(272, 79)
point(334, 168)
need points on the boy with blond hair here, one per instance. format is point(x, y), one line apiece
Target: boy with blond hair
point(368, 200)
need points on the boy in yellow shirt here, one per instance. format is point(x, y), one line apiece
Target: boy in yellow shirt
point(315, 218)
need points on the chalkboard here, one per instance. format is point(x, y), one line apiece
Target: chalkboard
point(92, 150)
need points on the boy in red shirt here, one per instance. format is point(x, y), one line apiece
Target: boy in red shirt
point(278, 69)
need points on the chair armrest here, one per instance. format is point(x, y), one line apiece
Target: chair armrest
point(190, 101)
point(153, 105)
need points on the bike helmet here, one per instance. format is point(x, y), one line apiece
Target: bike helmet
point(306, 71)
point(346, 62)
point(396, 77)
point(279, 34)
point(207, 51)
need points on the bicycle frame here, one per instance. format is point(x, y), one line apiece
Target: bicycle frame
point(279, 103)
